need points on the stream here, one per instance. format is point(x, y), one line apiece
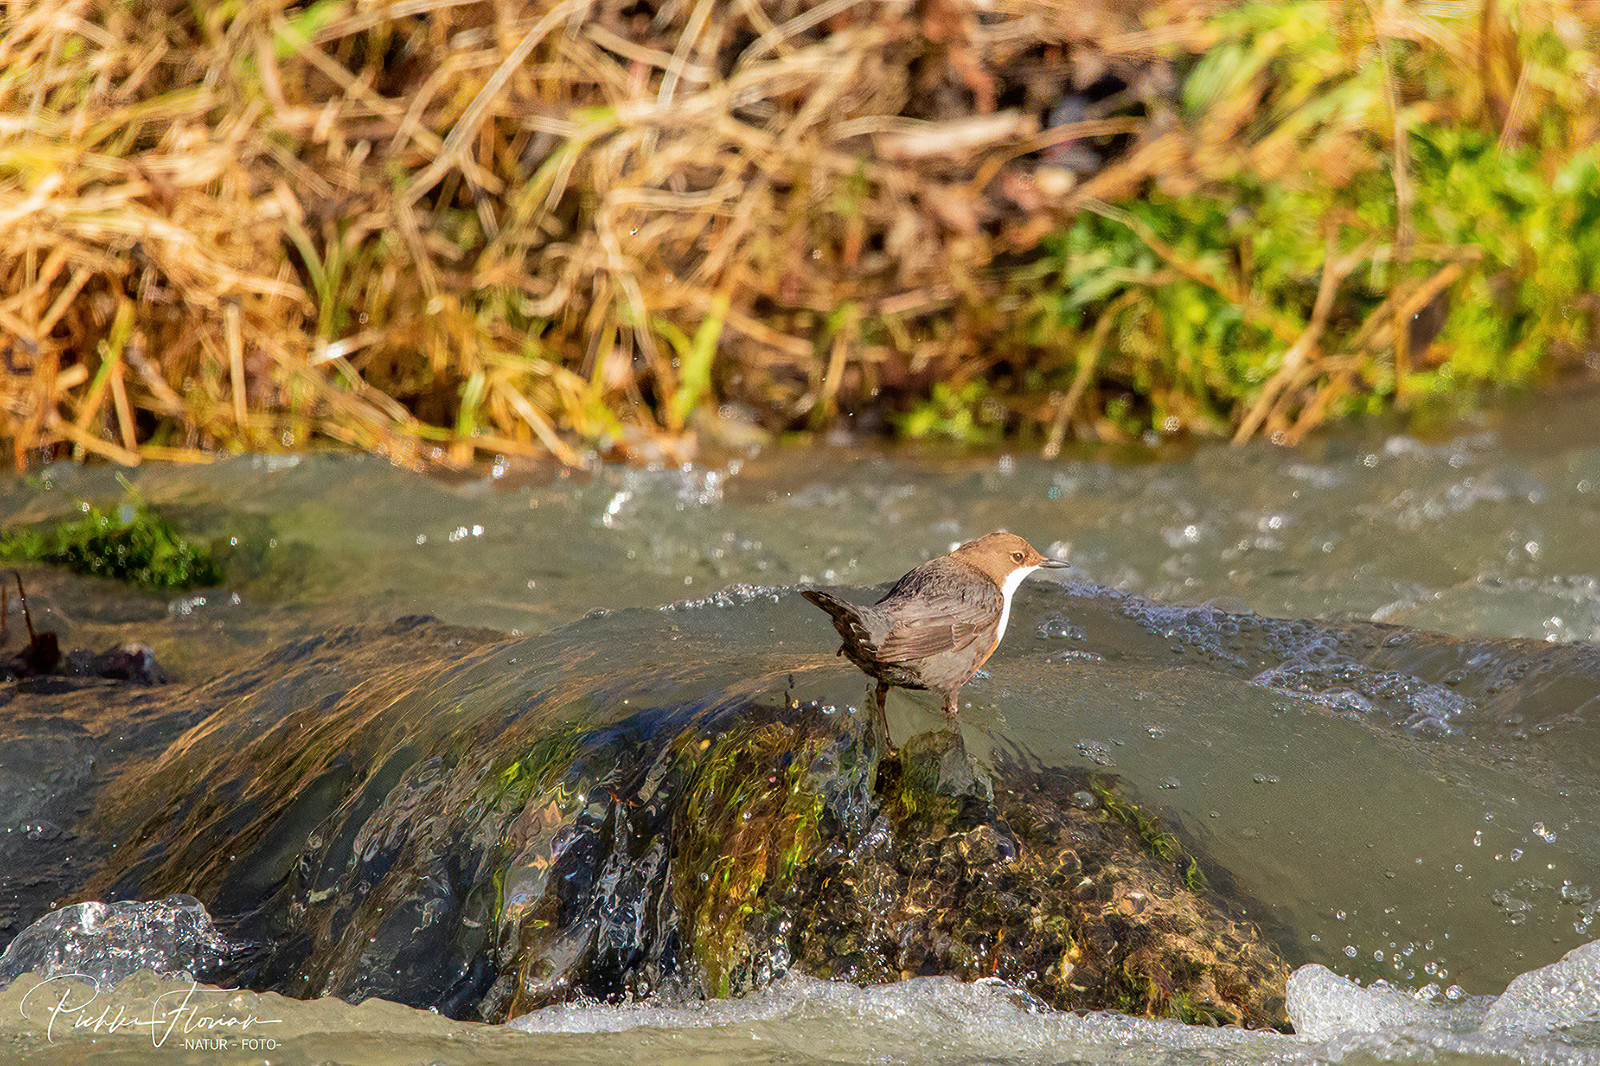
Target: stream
point(1359, 679)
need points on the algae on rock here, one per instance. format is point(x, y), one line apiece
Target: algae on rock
point(1036, 878)
point(794, 845)
point(416, 813)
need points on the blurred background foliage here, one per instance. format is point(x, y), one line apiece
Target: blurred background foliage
point(1378, 200)
point(435, 229)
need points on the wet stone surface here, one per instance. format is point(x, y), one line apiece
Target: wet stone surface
point(441, 817)
point(776, 839)
point(1084, 906)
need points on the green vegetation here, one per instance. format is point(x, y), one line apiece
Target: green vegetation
point(750, 813)
point(133, 543)
point(1359, 223)
point(543, 228)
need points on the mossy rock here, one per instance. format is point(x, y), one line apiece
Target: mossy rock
point(446, 850)
point(1048, 886)
point(134, 543)
point(786, 842)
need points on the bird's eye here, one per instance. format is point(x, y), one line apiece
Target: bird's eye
point(1016, 557)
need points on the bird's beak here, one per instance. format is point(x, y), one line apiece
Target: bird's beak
point(1056, 564)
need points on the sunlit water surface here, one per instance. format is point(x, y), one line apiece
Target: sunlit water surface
point(1386, 823)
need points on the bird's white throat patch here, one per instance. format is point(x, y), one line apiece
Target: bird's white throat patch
point(1007, 590)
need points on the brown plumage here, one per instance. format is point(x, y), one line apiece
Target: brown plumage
point(940, 622)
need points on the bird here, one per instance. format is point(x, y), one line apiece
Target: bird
point(939, 623)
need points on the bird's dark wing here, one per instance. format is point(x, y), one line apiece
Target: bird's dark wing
point(937, 608)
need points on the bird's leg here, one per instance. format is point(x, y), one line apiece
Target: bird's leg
point(950, 708)
point(879, 696)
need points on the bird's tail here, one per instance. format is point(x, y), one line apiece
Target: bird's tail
point(847, 617)
point(831, 603)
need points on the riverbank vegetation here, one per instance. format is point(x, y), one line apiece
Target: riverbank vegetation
point(436, 229)
point(132, 542)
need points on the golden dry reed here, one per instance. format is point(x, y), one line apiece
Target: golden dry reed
point(432, 228)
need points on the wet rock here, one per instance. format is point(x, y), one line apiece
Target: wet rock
point(42, 657)
point(128, 661)
point(1083, 908)
point(762, 868)
point(490, 840)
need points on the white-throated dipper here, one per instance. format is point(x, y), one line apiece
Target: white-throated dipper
point(940, 622)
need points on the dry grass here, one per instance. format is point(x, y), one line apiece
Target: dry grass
point(432, 227)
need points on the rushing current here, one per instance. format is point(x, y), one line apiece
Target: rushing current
point(1359, 677)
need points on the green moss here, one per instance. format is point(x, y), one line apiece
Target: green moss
point(133, 543)
point(1185, 1008)
point(1148, 827)
point(750, 817)
point(540, 765)
point(912, 789)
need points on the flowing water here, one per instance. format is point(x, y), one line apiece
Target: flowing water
point(1413, 804)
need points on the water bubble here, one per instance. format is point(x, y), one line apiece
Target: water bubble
point(1095, 752)
point(1178, 536)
